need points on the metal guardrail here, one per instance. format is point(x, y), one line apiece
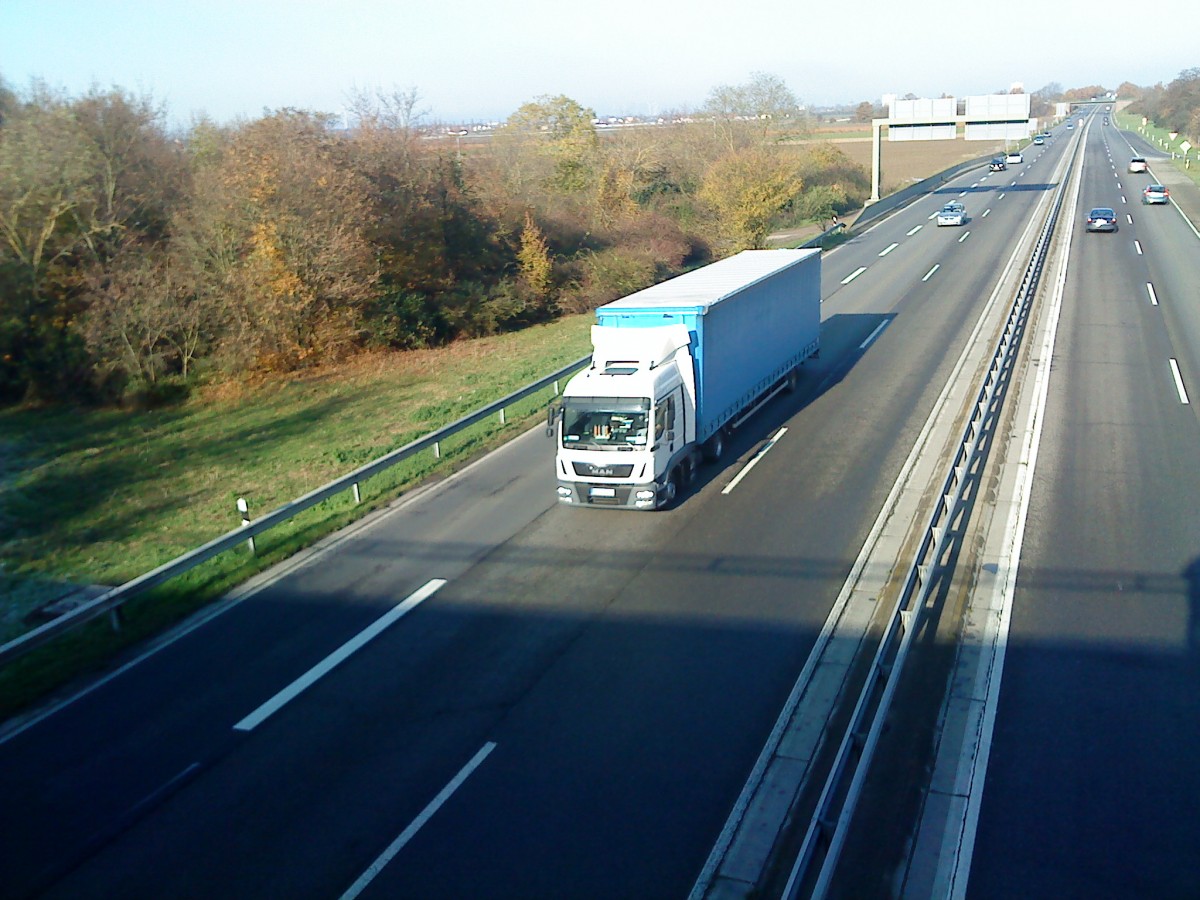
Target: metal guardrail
point(830, 822)
point(112, 600)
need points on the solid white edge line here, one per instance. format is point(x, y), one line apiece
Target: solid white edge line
point(435, 804)
point(929, 274)
point(874, 334)
point(754, 462)
point(1153, 296)
point(849, 278)
point(1175, 373)
point(338, 656)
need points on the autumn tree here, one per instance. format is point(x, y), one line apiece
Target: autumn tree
point(747, 190)
point(561, 132)
point(754, 111)
point(283, 232)
point(47, 199)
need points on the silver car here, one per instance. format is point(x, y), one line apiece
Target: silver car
point(953, 213)
point(1156, 193)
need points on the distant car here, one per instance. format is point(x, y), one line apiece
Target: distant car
point(1014, 158)
point(1156, 193)
point(1138, 164)
point(1069, 125)
point(1106, 120)
point(1102, 219)
point(953, 213)
point(997, 165)
point(1039, 140)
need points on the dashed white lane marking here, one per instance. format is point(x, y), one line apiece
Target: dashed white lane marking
point(1183, 395)
point(309, 678)
point(426, 814)
point(754, 462)
point(849, 278)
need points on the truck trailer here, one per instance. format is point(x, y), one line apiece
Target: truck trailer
point(675, 368)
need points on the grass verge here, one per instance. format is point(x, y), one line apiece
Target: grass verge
point(99, 497)
point(1161, 138)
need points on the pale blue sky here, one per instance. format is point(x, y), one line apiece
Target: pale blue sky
point(471, 60)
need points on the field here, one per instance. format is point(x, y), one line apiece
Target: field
point(906, 162)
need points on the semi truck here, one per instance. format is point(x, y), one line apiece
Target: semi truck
point(675, 368)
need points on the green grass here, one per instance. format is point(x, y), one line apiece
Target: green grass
point(100, 497)
point(1161, 138)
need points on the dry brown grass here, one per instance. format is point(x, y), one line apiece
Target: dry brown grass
point(906, 162)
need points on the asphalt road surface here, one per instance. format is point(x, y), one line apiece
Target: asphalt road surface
point(1092, 788)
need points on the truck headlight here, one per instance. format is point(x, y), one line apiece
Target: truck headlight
point(564, 491)
point(644, 495)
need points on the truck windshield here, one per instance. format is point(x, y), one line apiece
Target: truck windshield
point(605, 423)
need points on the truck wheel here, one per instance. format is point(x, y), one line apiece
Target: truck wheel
point(687, 472)
point(714, 447)
point(793, 381)
point(671, 489)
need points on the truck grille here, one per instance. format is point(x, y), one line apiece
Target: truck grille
point(587, 470)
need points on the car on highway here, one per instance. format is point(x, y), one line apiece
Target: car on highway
point(997, 165)
point(1138, 164)
point(1102, 218)
point(953, 213)
point(1014, 158)
point(1069, 125)
point(1039, 140)
point(1156, 193)
point(1106, 120)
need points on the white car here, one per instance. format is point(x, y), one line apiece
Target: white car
point(1138, 164)
point(1014, 159)
point(953, 213)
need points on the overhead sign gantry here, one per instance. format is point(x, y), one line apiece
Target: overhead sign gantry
point(987, 117)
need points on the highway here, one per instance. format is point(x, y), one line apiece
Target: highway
point(1092, 788)
point(559, 702)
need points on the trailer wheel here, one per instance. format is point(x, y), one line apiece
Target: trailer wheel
point(793, 381)
point(714, 447)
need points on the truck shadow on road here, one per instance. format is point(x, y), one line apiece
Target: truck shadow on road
point(845, 339)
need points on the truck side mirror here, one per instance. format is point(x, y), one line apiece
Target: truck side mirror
point(552, 414)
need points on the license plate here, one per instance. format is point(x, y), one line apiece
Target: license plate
point(602, 492)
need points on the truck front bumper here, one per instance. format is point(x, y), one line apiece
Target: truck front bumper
point(619, 496)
